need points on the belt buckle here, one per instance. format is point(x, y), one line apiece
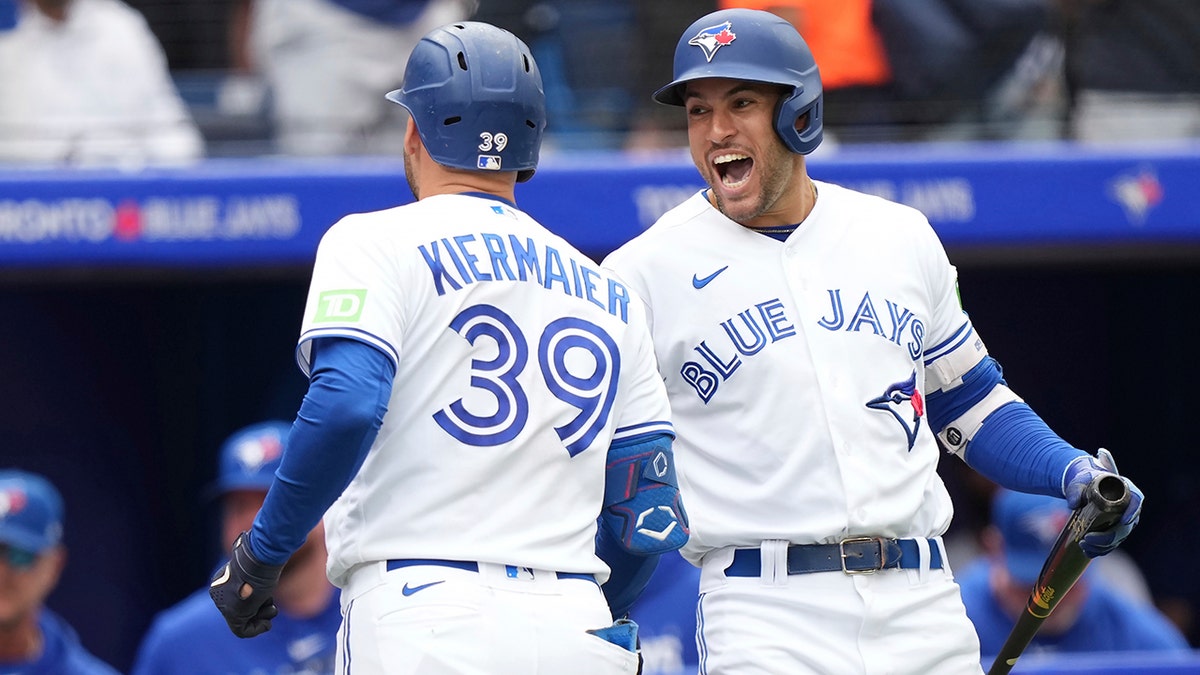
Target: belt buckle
point(860, 540)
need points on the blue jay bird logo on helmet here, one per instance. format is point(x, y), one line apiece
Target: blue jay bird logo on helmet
point(713, 38)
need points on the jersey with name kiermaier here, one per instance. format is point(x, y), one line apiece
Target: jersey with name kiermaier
point(797, 369)
point(518, 362)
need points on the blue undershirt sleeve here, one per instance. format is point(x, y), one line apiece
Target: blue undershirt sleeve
point(1015, 448)
point(338, 420)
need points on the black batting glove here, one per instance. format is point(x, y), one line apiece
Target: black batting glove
point(242, 590)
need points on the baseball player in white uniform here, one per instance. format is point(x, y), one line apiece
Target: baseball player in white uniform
point(485, 421)
point(815, 351)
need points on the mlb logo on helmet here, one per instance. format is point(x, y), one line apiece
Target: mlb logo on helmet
point(713, 38)
point(489, 162)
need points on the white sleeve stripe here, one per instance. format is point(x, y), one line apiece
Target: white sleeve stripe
point(302, 355)
point(959, 432)
point(644, 429)
point(966, 331)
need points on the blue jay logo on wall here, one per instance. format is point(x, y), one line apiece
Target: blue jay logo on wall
point(892, 402)
point(713, 38)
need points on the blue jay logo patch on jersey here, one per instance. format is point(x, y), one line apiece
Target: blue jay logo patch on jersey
point(713, 38)
point(897, 400)
point(489, 162)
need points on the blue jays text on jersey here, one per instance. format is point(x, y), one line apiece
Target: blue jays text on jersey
point(766, 322)
point(867, 316)
point(513, 260)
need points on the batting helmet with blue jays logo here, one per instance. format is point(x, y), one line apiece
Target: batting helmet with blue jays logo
point(476, 97)
point(747, 44)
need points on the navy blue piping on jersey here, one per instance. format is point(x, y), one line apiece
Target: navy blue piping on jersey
point(939, 350)
point(338, 421)
point(346, 639)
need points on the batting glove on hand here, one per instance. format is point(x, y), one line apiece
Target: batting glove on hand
point(242, 591)
point(1079, 475)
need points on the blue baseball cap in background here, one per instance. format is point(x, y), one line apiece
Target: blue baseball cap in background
point(1029, 524)
point(250, 457)
point(31, 511)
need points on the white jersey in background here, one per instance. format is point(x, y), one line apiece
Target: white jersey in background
point(518, 361)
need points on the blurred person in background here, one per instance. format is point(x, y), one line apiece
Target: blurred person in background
point(33, 639)
point(325, 61)
point(973, 69)
point(666, 618)
point(1133, 69)
point(655, 127)
point(192, 638)
point(86, 82)
point(860, 102)
point(1093, 617)
point(589, 101)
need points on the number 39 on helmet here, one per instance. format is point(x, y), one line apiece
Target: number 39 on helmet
point(475, 94)
point(746, 44)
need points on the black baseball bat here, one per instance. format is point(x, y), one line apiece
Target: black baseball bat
point(1107, 498)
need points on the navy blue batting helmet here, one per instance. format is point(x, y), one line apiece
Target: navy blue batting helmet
point(748, 44)
point(475, 94)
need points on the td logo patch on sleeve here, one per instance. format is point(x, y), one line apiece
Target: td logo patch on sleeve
point(345, 305)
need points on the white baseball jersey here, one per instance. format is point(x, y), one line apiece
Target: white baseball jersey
point(518, 361)
point(797, 370)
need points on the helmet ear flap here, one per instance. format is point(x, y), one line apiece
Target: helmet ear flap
point(789, 111)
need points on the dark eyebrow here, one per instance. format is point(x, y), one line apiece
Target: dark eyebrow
point(740, 87)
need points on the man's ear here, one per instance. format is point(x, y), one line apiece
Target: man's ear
point(412, 139)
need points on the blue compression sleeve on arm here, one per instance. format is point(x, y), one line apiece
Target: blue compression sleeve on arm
point(337, 423)
point(1015, 448)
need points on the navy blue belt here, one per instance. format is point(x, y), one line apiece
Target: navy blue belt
point(474, 567)
point(858, 555)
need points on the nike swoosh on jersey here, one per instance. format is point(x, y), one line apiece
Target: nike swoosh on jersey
point(409, 590)
point(699, 283)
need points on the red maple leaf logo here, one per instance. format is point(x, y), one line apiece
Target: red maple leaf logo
point(725, 37)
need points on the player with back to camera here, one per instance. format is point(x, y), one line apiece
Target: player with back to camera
point(815, 350)
point(189, 638)
point(484, 422)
